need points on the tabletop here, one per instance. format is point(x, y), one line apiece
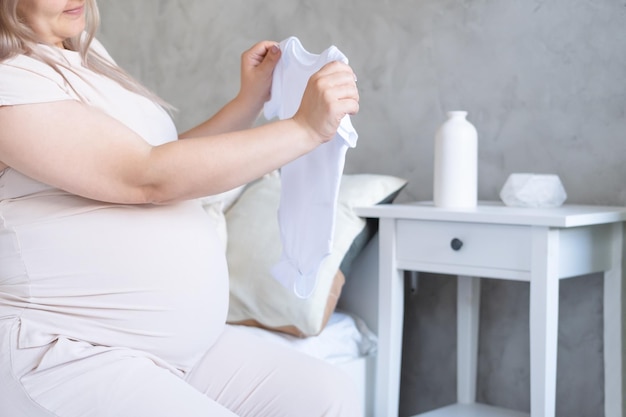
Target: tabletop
point(568, 215)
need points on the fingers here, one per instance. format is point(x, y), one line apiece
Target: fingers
point(271, 57)
point(338, 74)
point(331, 94)
point(339, 82)
point(261, 52)
point(257, 67)
point(339, 69)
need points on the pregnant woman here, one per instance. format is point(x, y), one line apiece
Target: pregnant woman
point(113, 282)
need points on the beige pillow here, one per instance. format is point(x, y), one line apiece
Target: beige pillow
point(216, 205)
point(254, 247)
point(331, 303)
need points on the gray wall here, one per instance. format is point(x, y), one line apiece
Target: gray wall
point(544, 82)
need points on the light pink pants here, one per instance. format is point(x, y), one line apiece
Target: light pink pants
point(241, 375)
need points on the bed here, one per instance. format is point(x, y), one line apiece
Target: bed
point(337, 322)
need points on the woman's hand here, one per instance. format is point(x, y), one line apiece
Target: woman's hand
point(330, 94)
point(257, 68)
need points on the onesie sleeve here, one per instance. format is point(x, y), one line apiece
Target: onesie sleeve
point(25, 80)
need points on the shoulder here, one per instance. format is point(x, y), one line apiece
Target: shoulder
point(23, 64)
point(26, 80)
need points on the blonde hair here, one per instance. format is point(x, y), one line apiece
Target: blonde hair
point(17, 38)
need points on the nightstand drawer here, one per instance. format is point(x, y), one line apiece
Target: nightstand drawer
point(464, 244)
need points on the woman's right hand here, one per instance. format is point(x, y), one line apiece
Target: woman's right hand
point(330, 94)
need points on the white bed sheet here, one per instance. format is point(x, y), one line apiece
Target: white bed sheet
point(345, 337)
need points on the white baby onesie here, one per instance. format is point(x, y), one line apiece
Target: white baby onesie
point(310, 184)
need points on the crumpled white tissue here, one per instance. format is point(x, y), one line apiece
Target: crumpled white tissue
point(533, 190)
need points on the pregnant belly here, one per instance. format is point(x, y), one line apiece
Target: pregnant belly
point(152, 278)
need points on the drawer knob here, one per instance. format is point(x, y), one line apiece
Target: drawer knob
point(456, 244)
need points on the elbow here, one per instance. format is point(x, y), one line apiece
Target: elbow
point(160, 194)
point(154, 195)
point(133, 194)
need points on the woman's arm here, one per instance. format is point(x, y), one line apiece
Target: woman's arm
point(257, 67)
point(47, 142)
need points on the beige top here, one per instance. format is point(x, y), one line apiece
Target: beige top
point(151, 278)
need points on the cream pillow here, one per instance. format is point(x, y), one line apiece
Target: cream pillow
point(254, 247)
point(216, 205)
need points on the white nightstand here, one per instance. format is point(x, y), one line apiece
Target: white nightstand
point(539, 246)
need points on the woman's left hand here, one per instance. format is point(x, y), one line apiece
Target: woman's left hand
point(257, 68)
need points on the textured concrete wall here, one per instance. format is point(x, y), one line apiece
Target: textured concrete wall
point(544, 83)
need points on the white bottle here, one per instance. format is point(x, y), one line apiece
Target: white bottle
point(456, 163)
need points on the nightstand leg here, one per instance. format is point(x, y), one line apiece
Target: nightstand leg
point(544, 316)
point(613, 331)
point(468, 316)
point(390, 323)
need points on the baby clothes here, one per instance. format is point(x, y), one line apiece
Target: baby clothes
point(310, 184)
